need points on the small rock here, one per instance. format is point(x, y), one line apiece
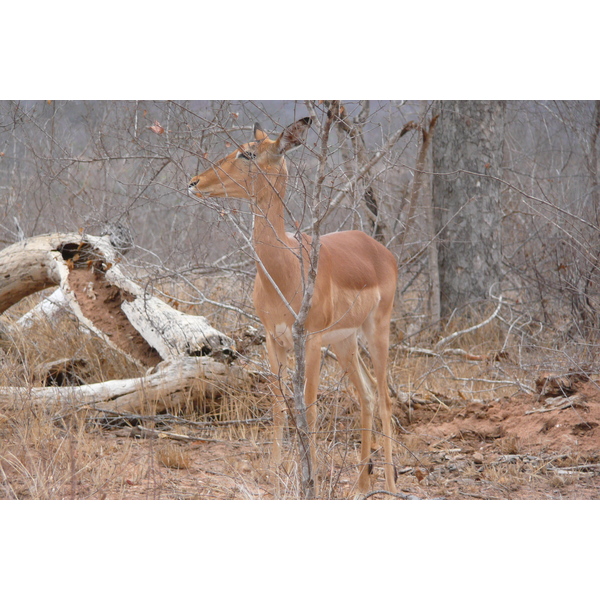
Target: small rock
point(477, 458)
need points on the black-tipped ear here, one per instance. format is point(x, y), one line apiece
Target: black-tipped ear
point(294, 135)
point(259, 134)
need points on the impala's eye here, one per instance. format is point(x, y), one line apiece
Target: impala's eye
point(247, 155)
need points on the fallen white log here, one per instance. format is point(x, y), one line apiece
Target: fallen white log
point(106, 301)
point(167, 387)
point(48, 308)
point(30, 266)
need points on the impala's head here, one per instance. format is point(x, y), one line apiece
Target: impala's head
point(252, 165)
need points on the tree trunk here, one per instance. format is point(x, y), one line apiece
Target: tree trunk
point(467, 147)
point(419, 180)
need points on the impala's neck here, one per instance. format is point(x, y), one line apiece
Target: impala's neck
point(269, 218)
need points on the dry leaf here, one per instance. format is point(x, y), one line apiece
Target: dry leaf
point(157, 128)
point(420, 475)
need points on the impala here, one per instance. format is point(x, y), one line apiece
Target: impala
point(354, 288)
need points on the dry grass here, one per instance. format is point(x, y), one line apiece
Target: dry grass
point(68, 453)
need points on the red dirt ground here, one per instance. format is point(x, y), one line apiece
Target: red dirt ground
point(521, 447)
point(507, 449)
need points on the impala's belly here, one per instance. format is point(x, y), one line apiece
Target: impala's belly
point(337, 335)
point(283, 335)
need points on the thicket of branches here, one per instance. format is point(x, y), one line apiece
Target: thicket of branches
point(66, 166)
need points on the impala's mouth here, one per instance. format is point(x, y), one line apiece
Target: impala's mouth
point(193, 191)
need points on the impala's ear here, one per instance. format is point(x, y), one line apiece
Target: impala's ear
point(293, 136)
point(259, 134)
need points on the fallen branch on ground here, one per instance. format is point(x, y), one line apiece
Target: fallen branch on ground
point(456, 334)
point(559, 403)
point(170, 418)
point(145, 432)
point(396, 495)
point(172, 385)
point(451, 352)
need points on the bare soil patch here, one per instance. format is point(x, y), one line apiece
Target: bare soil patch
point(512, 448)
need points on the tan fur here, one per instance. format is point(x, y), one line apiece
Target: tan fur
point(354, 289)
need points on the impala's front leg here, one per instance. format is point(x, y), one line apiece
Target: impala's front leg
point(278, 363)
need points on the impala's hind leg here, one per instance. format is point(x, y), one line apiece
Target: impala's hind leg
point(347, 354)
point(377, 332)
point(278, 362)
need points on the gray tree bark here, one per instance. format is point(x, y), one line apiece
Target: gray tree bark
point(467, 148)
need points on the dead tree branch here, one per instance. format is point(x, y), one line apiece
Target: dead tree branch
point(172, 385)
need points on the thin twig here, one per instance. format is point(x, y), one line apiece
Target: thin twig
point(168, 418)
point(167, 434)
point(363, 172)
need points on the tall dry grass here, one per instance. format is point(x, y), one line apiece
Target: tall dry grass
point(67, 452)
